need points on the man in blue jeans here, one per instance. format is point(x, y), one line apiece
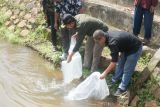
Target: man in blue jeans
point(144, 8)
point(129, 47)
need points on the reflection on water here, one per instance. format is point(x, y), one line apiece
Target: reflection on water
point(26, 80)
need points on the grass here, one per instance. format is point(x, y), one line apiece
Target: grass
point(38, 37)
point(9, 35)
point(37, 34)
point(144, 60)
point(5, 32)
point(145, 93)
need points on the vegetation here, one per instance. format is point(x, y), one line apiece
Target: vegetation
point(143, 61)
point(145, 93)
point(5, 32)
point(39, 40)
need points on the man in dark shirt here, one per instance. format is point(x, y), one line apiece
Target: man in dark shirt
point(130, 48)
point(49, 10)
point(85, 25)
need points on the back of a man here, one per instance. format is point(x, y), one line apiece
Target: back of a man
point(125, 41)
point(90, 23)
point(86, 26)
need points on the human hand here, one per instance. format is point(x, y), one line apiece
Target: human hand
point(152, 8)
point(103, 75)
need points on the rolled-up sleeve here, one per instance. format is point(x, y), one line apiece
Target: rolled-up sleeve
point(114, 52)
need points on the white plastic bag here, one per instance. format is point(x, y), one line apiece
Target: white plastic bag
point(91, 87)
point(72, 44)
point(72, 70)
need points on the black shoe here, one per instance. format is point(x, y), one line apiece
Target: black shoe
point(54, 49)
point(119, 92)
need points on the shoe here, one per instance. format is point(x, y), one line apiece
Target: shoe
point(64, 56)
point(54, 49)
point(119, 92)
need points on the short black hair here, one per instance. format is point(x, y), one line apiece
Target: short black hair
point(98, 33)
point(67, 19)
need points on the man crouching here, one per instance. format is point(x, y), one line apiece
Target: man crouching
point(130, 48)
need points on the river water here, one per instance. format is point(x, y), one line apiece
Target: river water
point(27, 80)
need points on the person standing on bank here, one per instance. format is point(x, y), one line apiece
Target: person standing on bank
point(85, 25)
point(72, 7)
point(144, 8)
point(49, 9)
point(46, 14)
point(130, 48)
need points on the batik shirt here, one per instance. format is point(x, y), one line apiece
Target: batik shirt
point(68, 7)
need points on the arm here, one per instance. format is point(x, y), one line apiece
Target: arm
point(76, 48)
point(70, 57)
point(114, 54)
point(79, 39)
point(110, 68)
point(56, 17)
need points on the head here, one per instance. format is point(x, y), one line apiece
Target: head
point(69, 21)
point(99, 37)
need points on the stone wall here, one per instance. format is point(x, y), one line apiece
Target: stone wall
point(22, 15)
point(130, 3)
point(119, 16)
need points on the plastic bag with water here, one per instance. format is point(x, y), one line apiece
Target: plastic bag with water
point(72, 70)
point(91, 87)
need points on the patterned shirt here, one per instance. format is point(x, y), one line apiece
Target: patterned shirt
point(68, 7)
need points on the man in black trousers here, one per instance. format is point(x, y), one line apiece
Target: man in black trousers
point(49, 10)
